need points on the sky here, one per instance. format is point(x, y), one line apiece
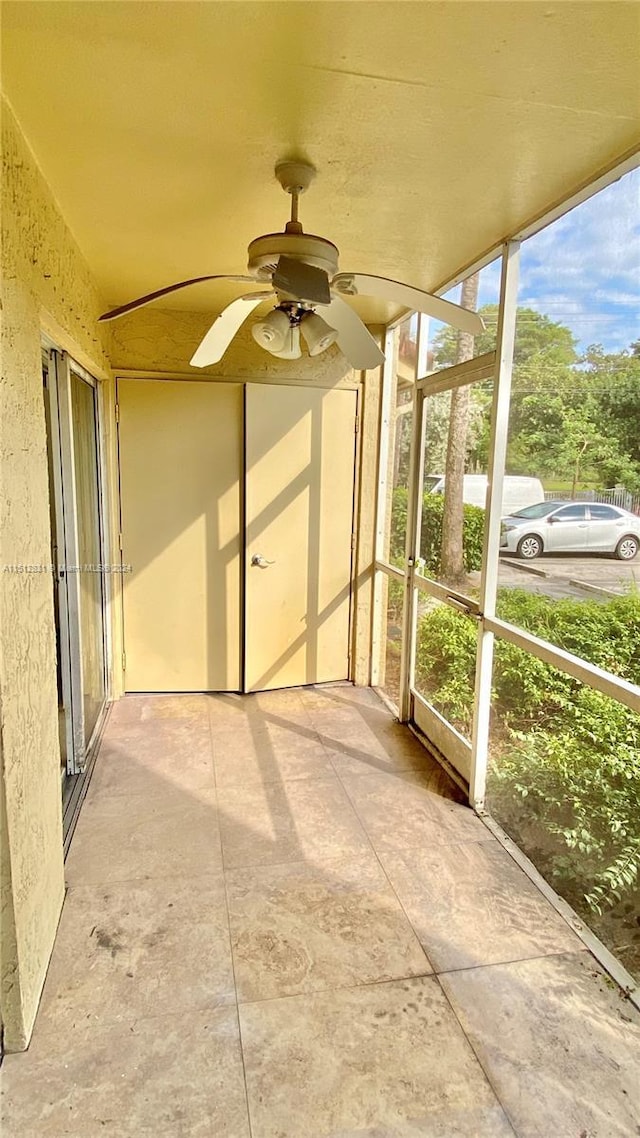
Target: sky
point(584, 269)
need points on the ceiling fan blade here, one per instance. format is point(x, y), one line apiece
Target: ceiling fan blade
point(142, 300)
point(360, 284)
point(301, 281)
point(224, 328)
point(354, 339)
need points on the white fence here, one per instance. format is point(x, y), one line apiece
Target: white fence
point(616, 496)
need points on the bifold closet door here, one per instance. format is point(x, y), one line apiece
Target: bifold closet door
point(180, 471)
point(299, 478)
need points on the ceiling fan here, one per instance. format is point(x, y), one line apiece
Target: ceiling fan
point(302, 273)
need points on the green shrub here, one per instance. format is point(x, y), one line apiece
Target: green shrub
point(570, 752)
point(431, 533)
point(446, 662)
point(398, 524)
point(604, 633)
point(395, 599)
point(579, 779)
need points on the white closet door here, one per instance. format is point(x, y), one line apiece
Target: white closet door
point(180, 470)
point(299, 461)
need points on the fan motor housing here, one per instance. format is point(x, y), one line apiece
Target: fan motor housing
point(264, 253)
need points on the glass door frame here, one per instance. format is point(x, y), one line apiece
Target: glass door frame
point(66, 575)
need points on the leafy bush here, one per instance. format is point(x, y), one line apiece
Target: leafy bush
point(431, 533)
point(605, 634)
point(570, 752)
point(446, 662)
point(395, 599)
point(580, 777)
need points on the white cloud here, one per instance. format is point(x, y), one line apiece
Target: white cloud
point(584, 270)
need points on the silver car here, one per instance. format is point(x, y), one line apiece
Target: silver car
point(570, 527)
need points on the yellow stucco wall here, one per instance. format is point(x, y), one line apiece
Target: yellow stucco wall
point(45, 284)
point(155, 340)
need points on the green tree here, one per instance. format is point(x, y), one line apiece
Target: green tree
point(544, 359)
point(571, 417)
point(541, 343)
point(614, 383)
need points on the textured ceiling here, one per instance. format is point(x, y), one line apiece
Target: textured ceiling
point(436, 128)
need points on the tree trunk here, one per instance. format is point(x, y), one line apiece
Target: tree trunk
point(576, 470)
point(452, 558)
point(576, 475)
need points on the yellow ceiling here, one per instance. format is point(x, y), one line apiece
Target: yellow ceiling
point(436, 128)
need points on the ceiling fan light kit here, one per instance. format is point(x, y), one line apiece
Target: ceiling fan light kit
point(291, 349)
point(271, 332)
point(302, 272)
point(317, 334)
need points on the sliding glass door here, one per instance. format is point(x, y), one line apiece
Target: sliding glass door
point(78, 558)
point(90, 578)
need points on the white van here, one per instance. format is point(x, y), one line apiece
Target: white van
point(518, 491)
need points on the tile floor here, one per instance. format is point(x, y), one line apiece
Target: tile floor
point(282, 922)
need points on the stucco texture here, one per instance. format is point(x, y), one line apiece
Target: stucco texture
point(156, 340)
point(45, 282)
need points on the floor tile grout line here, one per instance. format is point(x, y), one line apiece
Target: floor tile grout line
point(164, 811)
point(319, 863)
point(482, 1066)
point(402, 906)
point(512, 960)
point(145, 881)
point(306, 993)
point(49, 1035)
point(310, 993)
point(383, 870)
point(107, 794)
point(423, 845)
point(231, 957)
point(480, 840)
point(114, 882)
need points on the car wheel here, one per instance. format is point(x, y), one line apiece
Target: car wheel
point(530, 547)
point(627, 548)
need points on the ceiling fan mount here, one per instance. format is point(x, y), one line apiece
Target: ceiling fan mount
point(265, 252)
point(295, 177)
point(301, 270)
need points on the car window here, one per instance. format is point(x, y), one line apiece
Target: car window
point(537, 511)
point(575, 513)
point(603, 513)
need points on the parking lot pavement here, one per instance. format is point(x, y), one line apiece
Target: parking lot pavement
point(559, 576)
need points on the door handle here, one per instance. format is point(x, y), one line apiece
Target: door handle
point(261, 562)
